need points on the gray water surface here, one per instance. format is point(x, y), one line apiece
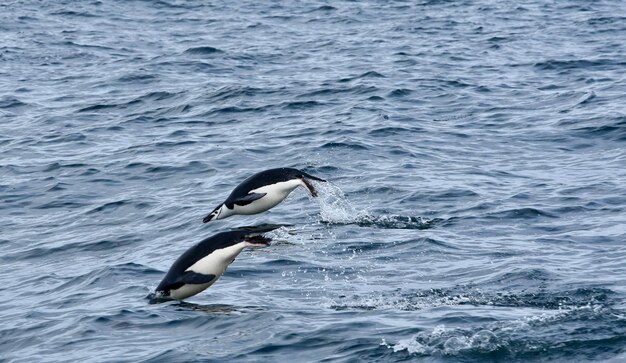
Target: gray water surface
point(475, 152)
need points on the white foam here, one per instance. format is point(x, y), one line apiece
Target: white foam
point(456, 341)
point(335, 207)
point(411, 345)
point(452, 341)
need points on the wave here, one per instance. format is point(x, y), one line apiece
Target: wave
point(612, 128)
point(137, 78)
point(7, 102)
point(71, 13)
point(589, 320)
point(203, 50)
point(387, 131)
point(347, 145)
point(68, 249)
point(520, 213)
point(234, 92)
point(334, 90)
point(300, 105)
point(370, 74)
point(137, 104)
point(532, 336)
point(400, 92)
point(469, 295)
point(444, 341)
point(565, 65)
point(323, 8)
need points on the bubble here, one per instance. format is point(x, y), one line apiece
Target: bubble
point(484, 340)
point(454, 345)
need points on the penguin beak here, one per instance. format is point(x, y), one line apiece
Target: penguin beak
point(213, 215)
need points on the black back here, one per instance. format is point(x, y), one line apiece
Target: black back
point(266, 177)
point(206, 247)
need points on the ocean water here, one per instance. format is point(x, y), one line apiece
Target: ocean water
point(475, 152)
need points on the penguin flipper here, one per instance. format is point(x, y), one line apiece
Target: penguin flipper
point(190, 277)
point(247, 199)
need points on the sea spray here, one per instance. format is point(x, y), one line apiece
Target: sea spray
point(335, 208)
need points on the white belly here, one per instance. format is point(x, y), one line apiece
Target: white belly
point(212, 264)
point(275, 193)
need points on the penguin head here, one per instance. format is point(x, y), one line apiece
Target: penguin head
point(215, 215)
point(254, 236)
point(257, 240)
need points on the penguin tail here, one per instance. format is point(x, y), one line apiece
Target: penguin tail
point(158, 297)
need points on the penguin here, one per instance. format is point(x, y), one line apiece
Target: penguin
point(204, 263)
point(263, 191)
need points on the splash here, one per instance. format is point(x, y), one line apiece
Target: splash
point(568, 300)
point(412, 346)
point(335, 208)
point(286, 234)
point(528, 334)
point(449, 342)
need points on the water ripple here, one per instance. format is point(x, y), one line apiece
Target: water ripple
point(474, 209)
